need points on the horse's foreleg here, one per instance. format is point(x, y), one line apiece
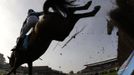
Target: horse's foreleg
point(89, 14)
point(85, 7)
point(30, 68)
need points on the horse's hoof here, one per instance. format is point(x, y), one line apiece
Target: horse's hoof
point(97, 7)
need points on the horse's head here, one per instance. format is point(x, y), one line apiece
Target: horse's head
point(12, 59)
point(12, 62)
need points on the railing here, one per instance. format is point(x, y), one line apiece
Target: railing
point(128, 67)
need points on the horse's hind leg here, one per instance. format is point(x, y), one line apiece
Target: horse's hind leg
point(30, 68)
point(14, 72)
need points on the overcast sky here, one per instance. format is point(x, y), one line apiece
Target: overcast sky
point(90, 46)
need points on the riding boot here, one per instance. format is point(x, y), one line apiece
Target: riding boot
point(25, 43)
point(20, 42)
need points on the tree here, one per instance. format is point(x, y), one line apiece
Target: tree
point(122, 17)
point(71, 72)
point(2, 59)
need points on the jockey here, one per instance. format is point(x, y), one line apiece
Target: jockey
point(29, 23)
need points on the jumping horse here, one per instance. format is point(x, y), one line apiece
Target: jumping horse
point(50, 27)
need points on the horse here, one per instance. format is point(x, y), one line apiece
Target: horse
point(45, 31)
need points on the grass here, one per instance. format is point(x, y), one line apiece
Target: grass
point(113, 73)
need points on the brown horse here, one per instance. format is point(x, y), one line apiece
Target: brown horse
point(50, 27)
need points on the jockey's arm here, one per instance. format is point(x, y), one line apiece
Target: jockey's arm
point(39, 13)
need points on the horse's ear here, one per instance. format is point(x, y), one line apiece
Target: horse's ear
point(8, 57)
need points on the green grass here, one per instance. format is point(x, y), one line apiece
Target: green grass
point(113, 73)
point(2, 72)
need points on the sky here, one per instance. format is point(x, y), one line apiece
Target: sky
point(90, 46)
